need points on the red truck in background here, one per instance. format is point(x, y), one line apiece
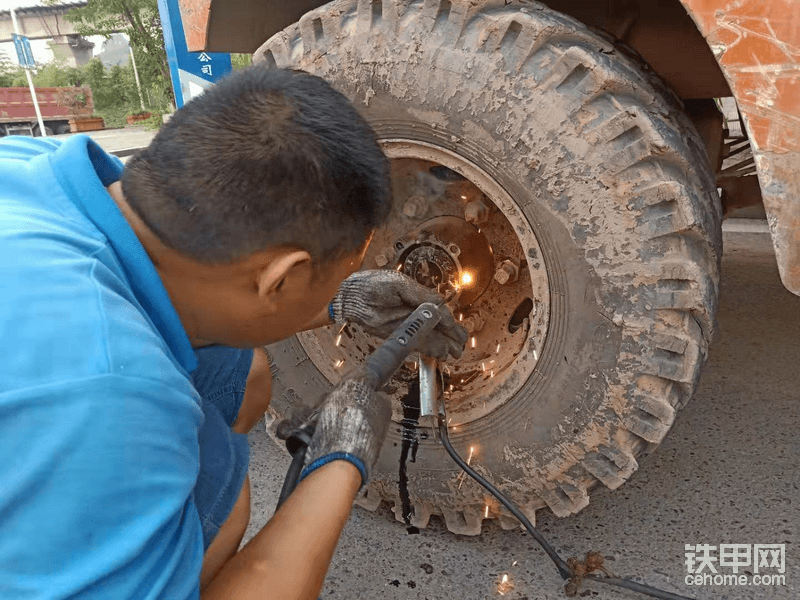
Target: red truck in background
point(18, 115)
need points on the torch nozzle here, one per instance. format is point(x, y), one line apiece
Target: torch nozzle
point(428, 387)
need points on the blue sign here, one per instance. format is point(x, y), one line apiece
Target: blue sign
point(24, 53)
point(191, 72)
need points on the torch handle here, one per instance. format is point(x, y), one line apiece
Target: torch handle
point(390, 355)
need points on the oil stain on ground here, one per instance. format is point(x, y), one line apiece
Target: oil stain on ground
point(410, 443)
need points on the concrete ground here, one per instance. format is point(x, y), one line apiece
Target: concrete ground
point(728, 473)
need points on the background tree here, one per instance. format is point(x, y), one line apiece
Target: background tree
point(9, 70)
point(140, 21)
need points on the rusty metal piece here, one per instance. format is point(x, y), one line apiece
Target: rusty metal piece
point(739, 192)
point(507, 272)
point(476, 212)
point(709, 120)
point(474, 322)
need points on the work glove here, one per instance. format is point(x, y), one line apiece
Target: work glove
point(351, 426)
point(380, 300)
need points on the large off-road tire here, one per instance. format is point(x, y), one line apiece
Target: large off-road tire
point(615, 184)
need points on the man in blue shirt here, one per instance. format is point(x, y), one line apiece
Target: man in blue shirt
point(129, 300)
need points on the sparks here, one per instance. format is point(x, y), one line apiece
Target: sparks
point(491, 374)
point(483, 367)
point(535, 356)
point(339, 339)
point(460, 317)
point(467, 278)
point(497, 350)
point(472, 341)
point(339, 363)
point(514, 564)
point(469, 458)
point(463, 197)
point(505, 585)
point(451, 387)
point(486, 512)
point(400, 267)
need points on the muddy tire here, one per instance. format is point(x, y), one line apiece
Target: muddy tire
point(614, 182)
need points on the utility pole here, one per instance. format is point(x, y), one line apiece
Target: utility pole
point(42, 130)
point(136, 75)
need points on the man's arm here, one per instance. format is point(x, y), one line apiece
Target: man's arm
point(289, 557)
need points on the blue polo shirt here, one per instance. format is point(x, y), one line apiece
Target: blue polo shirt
point(98, 417)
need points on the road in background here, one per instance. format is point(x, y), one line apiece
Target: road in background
point(115, 140)
point(727, 473)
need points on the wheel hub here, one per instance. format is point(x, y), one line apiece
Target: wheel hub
point(449, 255)
point(432, 266)
point(454, 231)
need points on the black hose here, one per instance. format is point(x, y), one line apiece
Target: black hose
point(292, 476)
point(563, 569)
point(297, 443)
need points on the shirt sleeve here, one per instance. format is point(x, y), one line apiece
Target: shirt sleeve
point(22, 147)
point(96, 500)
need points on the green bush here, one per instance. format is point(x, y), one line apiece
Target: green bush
point(154, 122)
point(240, 61)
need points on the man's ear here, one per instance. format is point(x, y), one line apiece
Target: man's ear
point(272, 275)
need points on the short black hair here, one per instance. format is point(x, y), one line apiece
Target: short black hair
point(266, 157)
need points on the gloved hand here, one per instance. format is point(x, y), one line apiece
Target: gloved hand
point(380, 300)
point(351, 425)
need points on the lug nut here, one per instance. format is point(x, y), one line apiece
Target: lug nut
point(415, 206)
point(476, 212)
point(381, 260)
point(474, 322)
point(507, 272)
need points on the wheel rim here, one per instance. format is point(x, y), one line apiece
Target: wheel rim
point(439, 198)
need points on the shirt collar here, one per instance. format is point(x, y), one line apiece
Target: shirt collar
point(84, 170)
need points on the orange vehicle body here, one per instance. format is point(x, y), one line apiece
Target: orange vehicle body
point(756, 45)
